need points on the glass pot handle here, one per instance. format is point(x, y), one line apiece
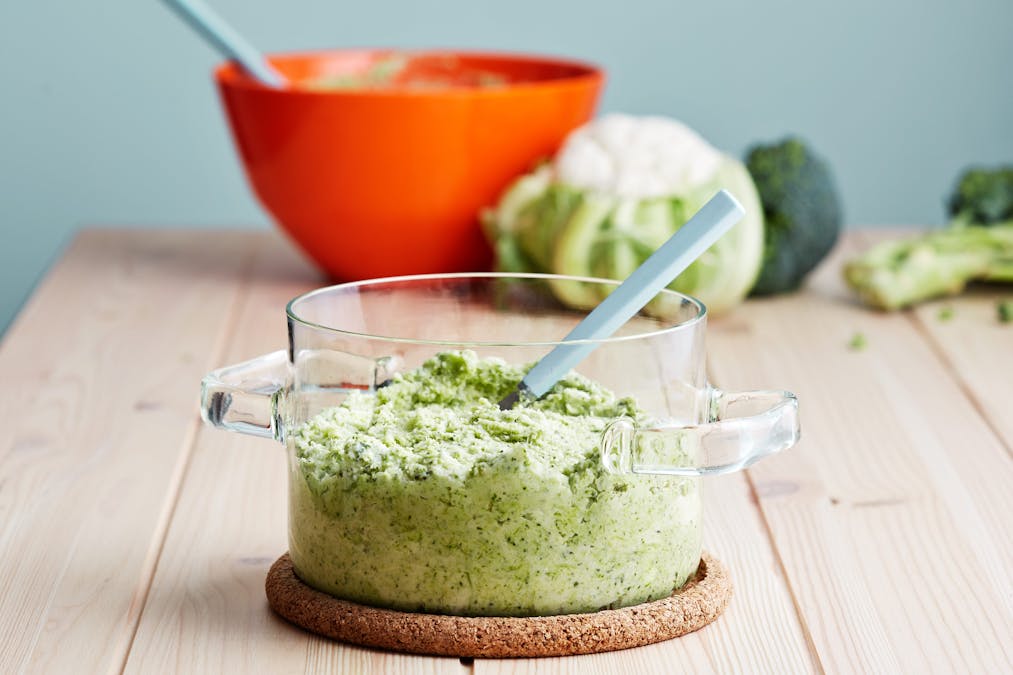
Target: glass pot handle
point(745, 428)
point(247, 397)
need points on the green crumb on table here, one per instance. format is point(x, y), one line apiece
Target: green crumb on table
point(858, 342)
point(426, 496)
point(1005, 310)
point(946, 313)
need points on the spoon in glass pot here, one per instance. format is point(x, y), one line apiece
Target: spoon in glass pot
point(699, 233)
point(226, 40)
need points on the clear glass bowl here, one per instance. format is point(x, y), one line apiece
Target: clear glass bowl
point(490, 513)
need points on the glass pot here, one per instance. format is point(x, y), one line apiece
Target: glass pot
point(538, 524)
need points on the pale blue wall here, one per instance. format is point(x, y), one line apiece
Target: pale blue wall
point(107, 115)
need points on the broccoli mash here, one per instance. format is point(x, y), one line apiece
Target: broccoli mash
point(397, 72)
point(425, 496)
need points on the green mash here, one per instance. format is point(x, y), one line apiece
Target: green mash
point(425, 496)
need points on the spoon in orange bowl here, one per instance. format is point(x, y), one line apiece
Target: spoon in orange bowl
point(226, 40)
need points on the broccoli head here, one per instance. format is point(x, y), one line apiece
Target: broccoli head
point(801, 210)
point(983, 197)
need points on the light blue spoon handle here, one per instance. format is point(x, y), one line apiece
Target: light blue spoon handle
point(226, 40)
point(699, 233)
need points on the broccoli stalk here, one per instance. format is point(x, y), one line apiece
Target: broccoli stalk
point(896, 274)
point(977, 246)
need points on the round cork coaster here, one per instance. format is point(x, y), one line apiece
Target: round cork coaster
point(692, 607)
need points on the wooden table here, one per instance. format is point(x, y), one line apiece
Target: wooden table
point(134, 540)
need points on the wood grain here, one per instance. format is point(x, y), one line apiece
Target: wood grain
point(97, 412)
point(880, 544)
point(971, 341)
point(979, 352)
point(892, 515)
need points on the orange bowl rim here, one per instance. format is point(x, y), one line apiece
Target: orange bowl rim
point(229, 75)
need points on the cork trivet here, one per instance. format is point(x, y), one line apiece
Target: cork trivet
point(691, 607)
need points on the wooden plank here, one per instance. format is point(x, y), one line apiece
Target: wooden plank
point(206, 612)
point(978, 350)
point(99, 374)
point(971, 341)
point(892, 515)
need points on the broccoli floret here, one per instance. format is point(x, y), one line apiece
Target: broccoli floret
point(858, 342)
point(801, 211)
point(1005, 311)
point(974, 247)
point(983, 197)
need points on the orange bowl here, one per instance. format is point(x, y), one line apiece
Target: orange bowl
point(388, 180)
